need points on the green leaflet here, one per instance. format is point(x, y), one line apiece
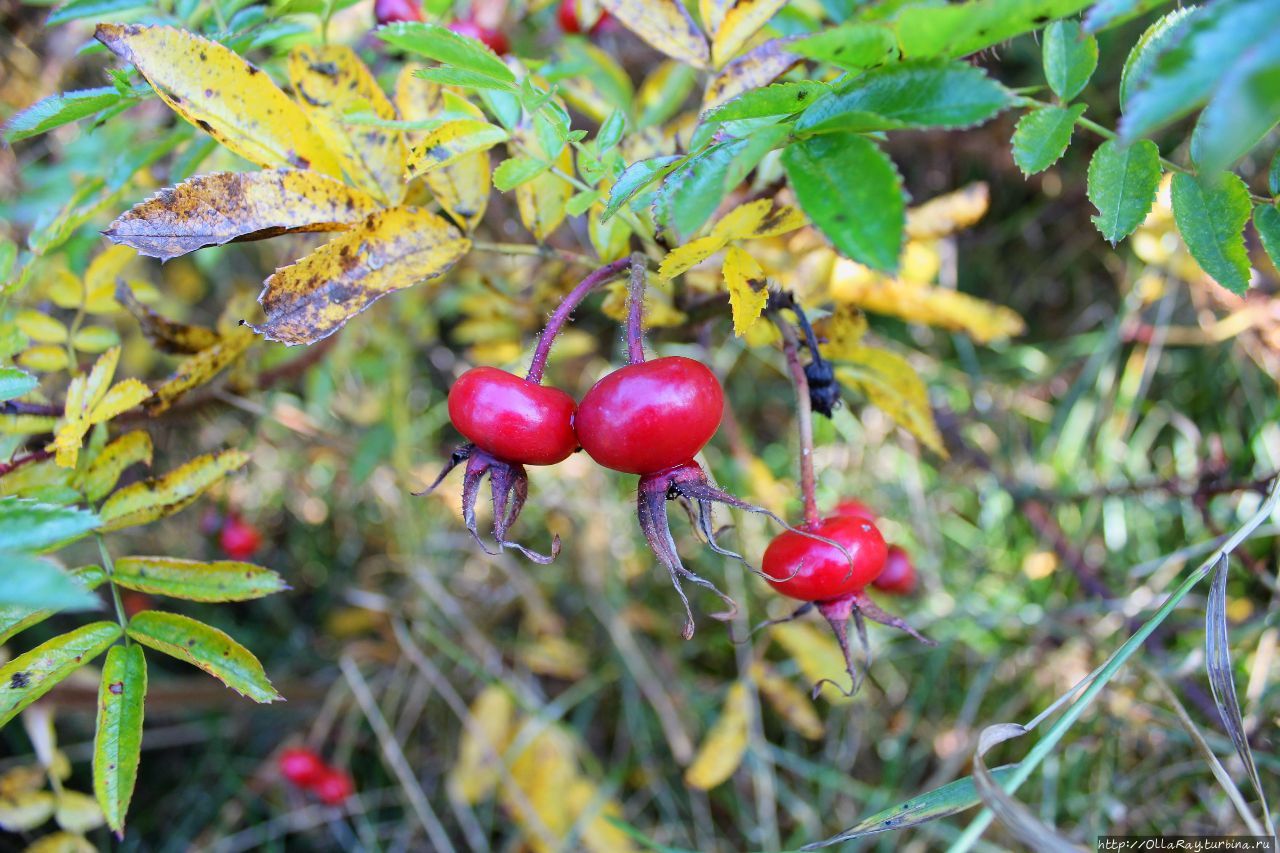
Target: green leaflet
point(1266, 219)
point(447, 47)
point(16, 618)
point(1042, 136)
point(205, 647)
point(223, 580)
point(1211, 214)
point(1122, 186)
point(27, 525)
point(1070, 57)
point(117, 741)
point(29, 676)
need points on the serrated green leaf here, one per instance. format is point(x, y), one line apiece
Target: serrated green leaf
point(516, 171)
point(14, 619)
point(864, 218)
point(779, 99)
point(15, 383)
point(146, 501)
point(205, 647)
point(580, 202)
point(117, 741)
point(959, 29)
point(1242, 111)
point(223, 580)
point(445, 46)
point(1122, 186)
point(1142, 56)
point(691, 193)
point(852, 47)
point(1070, 57)
point(35, 582)
point(908, 95)
point(29, 676)
point(463, 79)
point(635, 178)
point(1042, 136)
point(27, 525)
point(1193, 62)
point(57, 110)
point(1211, 214)
point(1266, 219)
point(1109, 13)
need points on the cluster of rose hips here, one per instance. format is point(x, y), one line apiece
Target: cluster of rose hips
point(650, 418)
point(307, 770)
point(393, 11)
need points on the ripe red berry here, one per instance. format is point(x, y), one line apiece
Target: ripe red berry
point(513, 419)
point(391, 11)
point(568, 15)
point(135, 602)
point(301, 766)
point(899, 575)
point(810, 570)
point(493, 39)
point(333, 787)
point(239, 539)
point(854, 509)
point(650, 416)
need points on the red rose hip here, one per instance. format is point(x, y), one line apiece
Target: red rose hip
point(511, 418)
point(899, 575)
point(811, 570)
point(492, 39)
point(393, 11)
point(333, 787)
point(301, 766)
point(239, 539)
point(650, 416)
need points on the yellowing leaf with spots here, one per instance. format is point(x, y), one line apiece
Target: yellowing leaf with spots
point(759, 67)
point(757, 219)
point(391, 250)
point(486, 732)
point(148, 500)
point(93, 400)
point(221, 580)
point(104, 472)
point(739, 23)
point(842, 331)
point(686, 257)
point(541, 201)
point(201, 368)
point(219, 92)
point(165, 334)
point(933, 306)
point(722, 750)
point(331, 81)
point(748, 289)
point(29, 676)
point(205, 647)
point(816, 652)
point(892, 385)
point(948, 213)
point(225, 207)
point(451, 141)
point(664, 24)
point(790, 703)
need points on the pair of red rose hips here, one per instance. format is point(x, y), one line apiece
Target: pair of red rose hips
point(304, 768)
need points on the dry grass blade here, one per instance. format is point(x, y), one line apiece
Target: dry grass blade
point(1016, 817)
point(1217, 653)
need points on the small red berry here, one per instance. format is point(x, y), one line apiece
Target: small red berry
point(810, 570)
point(899, 575)
point(301, 766)
point(333, 787)
point(135, 602)
point(854, 509)
point(392, 11)
point(493, 39)
point(511, 418)
point(240, 540)
point(650, 416)
point(568, 15)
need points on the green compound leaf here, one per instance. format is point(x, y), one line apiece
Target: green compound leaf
point(205, 647)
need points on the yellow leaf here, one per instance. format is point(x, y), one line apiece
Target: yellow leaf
point(920, 262)
point(748, 289)
point(416, 99)
point(165, 334)
point(599, 833)
point(752, 70)
point(816, 652)
point(611, 239)
point(21, 780)
point(61, 842)
point(688, 256)
point(148, 500)
point(662, 92)
point(554, 656)
point(104, 472)
point(948, 213)
point(95, 339)
point(740, 22)
point(331, 81)
point(210, 210)
point(390, 250)
point(542, 773)
point(934, 306)
point(122, 397)
point(219, 92)
point(77, 812)
point(712, 12)
point(658, 310)
point(84, 393)
point(664, 24)
point(101, 277)
point(451, 141)
point(791, 703)
point(541, 201)
point(766, 489)
point(842, 330)
point(721, 752)
point(488, 730)
point(200, 368)
point(45, 358)
point(26, 810)
point(757, 219)
point(893, 386)
point(40, 327)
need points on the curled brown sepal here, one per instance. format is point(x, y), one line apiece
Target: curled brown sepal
point(509, 484)
point(860, 606)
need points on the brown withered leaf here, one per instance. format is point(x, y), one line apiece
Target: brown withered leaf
point(167, 335)
point(752, 70)
point(331, 81)
point(225, 207)
point(666, 25)
point(200, 369)
point(222, 94)
point(390, 250)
